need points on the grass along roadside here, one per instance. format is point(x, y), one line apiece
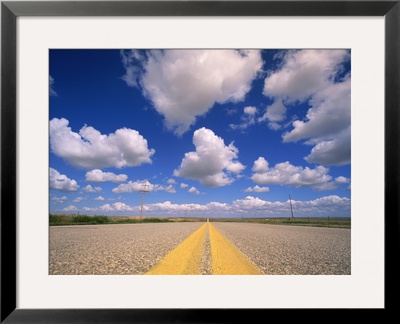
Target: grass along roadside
point(59, 220)
point(335, 222)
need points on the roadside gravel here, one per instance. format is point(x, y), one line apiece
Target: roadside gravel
point(292, 250)
point(125, 249)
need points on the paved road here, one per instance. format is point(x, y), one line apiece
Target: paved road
point(138, 248)
point(292, 250)
point(113, 249)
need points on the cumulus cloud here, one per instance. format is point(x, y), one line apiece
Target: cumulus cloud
point(213, 163)
point(248, 118)
point(286, 174)
point(325, 206)
point(253, 206)
point(89, 149)
point(185, 84)
point(249, 203)
point(170, 189)
point(118, 207)
point(329, 114)
point(61, 182)
point(261, 165)
point(132, 186)
point(257, 189)
point(304, 73)
point(169, 208)
point(334, 151)
point(89, 209)
point(70, 208)
point(99, 176)
point(90, 189)
point(184, 185)
point(193, 190)
point(137, 186)
point(99, 198)
point(314, 77)
point(275, 113)
point(59, 199)
point(249, 206)
point(78, 199)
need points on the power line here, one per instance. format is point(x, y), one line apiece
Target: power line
point(291, 209)
point(144, 190)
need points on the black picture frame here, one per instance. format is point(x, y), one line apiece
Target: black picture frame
point(10, 10)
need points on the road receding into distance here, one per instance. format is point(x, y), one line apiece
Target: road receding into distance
point(186, 258)
point(196, 248)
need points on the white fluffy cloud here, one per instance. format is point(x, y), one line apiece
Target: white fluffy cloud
point(304, 73)
point(332, 151)
point(256, 207)
point(61, 182)
point(328, 116)
point(137, 186)
point(261, 165)
point(193, 190)
point(286, 174)
point(213, 163)
point(70, 208)
point(90, 189)
point(311, 76)
point(248, 207)
point(324, 206)
point(257, 189)
point(118, 206)
point(78, 199)
point(275, 113)
point(97, 175)
point(184, 84)
point(89, 149)
point(248, 118)
point(58, 200)
point(169, 208)
point(170, 188)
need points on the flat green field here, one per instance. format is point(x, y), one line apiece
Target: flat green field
point(342, 222)
point(59, 220)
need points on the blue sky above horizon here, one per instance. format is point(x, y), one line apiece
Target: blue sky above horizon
point(224, 133)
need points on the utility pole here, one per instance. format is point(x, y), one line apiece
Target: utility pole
point(145, 189)
point(291, 209)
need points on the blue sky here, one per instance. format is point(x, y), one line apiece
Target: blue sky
point(223, 133)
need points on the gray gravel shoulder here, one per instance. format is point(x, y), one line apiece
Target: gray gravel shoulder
point(292, 250)
point(124, 249)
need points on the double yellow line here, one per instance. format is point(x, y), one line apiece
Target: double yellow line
point(185, 259)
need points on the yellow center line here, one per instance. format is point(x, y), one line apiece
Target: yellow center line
point(185, 258)
point(228, 259)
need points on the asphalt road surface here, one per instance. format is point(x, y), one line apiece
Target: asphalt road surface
point(199, 248)
point(292, 250)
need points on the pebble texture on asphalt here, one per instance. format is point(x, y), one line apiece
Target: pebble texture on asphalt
point(125, 249)
point(132, 249)
point(292, 250)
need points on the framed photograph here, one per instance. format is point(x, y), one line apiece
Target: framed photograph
point(225, 117)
